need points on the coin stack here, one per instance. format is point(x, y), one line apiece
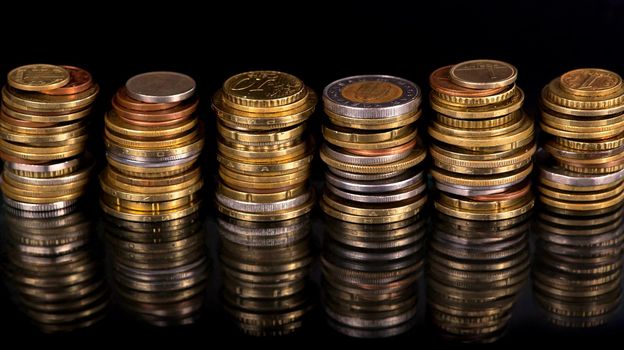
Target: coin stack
point(475, 271)
point(482, 141)
point(43, 135)
point(53, 269)
point(158, 270)
point(265, 274)
point(373, 195)
point(153, 140)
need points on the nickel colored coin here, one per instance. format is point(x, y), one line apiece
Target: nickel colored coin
point(263, 89)
point(160, 87)
point(440, 81)
point(122, 98)
point(590, 82)
point(483, 74)
point(79, 81)
point(38, 77)
point(371, 96)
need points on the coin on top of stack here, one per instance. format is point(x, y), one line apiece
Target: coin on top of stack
point(43, 134)
point(153, 139)
point(372, 150)
point(583, 112)
point(483, 142)
point(264, 150)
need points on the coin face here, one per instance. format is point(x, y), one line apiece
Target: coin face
point(263, 89)
point(371, 96)
point(590, 82)
point(38, 77)
point(79, 81)
point(440, 81)
point(483, 74)
point(160, 87)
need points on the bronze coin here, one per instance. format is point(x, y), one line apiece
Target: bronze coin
point(79, 80)
point(440, 81)
point(122, 99)
point(178, 112)
point(516, 191)
point(24, 123)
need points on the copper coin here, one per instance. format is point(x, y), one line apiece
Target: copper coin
point(24, 123)
point(79, 80)
point(514, 192)
point(122, 98)
point(178, 112)
point(384, 151)
point(440, 81)
point(149, 123)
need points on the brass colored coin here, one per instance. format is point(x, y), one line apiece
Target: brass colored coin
point(481, 132)
point(600, 145)
point(590, 82)
point(582, 133)
point(518, 157)
point(417, 155)
point(33, 101)
point(370, 220)
point(260, 197)
point(43, 130)
point(523, 132)
point(556, 95)
point(176, 141)
point(38, 77)
point(478, 123)
point(287, 182)
point(46, 190)
point(143, 172)
point(440, 81)
point(45, 117)
point(264, 157)
point(365, 209)
point(34, 197)
point(583, 206)
point(547, 103)
point(67, 137)
point(117, 125)
point(593, 169)
point(147, 207)
point(338, 133)
point(572, 188)
point(400, 140)
point(562, 121)
point(481, 181)
point(247, 168)
point(483, 112)
point(42, 154)
point(302, 172)
point(585, 196)
point(263, 89)
point(177, 192)
point(268, 217)
point(251, 137)
point(460, 203)
point(483, 74)
point(463, 101)
point(374, 124)
point(486, 216)
point(136, 216)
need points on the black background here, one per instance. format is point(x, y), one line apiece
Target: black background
point(318, 43)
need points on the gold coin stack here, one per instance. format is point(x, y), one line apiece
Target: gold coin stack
point(53, 270)
point(263, 149)
point(475, 271)
point(583, 110)
point(578, 270)
point(158, 270)
point(43, 134)
point(483, 142)
point(265, 274)
point(153, 139)
point(373, 195)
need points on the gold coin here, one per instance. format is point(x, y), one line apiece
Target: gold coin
point(36, 102)
point(417, 155)
point(131, 195)
point(38, 77)
point(585, 196)
point(265, 157)
point(481, 181)
point(471, 101)
point(522, 133)
point(556, 95)
point(583, 206)
point(44, 130)
point(600, 145)
point(586, 124)
point(507, 213)
point(192, 147)
point(373, 123)
point(277, 167)
point(136, 216)
point(260, 197)
point(47, 190)
point(370, 220)
point(111, 179)
point(298, 173)
point(116, 124)
point(572, 188)
point(268, 217)
point(582, 133)
point(400, 140)
point(43, 138)
point(175, 141)
point(263, 89)
point(518, 157)
point(483, 74)
point(591, 169)
point(251, 137)
point(42, 153)
point(478, 123)
point(154, 182)
point(44, 117)
point(349, 135)
point(481, 132)
point(147, 207)
point(149, 173)
point(288, 182)
point(460, 203)
point(483, 112)
point(590, 82)
point(547, 103)
point(35, 197)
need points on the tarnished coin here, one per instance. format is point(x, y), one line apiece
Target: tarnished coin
point(371, 96)
point(483, 74)
point(590, 82)
point(38, 77)
point(160, 87)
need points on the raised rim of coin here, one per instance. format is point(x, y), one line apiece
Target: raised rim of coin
point(38, 77)
point(481, 74)
point(160, 87)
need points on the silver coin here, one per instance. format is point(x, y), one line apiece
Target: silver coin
point(38, 207)
point(155, 158)
point(372, 333)
point(263, 207)
point(41, 214)
point(382, 322)
point(407, 100)
point(364, 160)
point(473, 191)
point(160, 87)
point(263, 231)
point(152, 164)
point(410, 192)
point(557, 174)
point(364, 177)
point(262, 241)
point(35, 168)
point(51, 181)
point(403, 180)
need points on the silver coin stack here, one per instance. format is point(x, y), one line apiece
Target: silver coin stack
point(374, 193)
point(53, 269)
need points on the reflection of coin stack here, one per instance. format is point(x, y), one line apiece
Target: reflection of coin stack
point(43, 134)
point(265, 274)
point(483, 141)
point(159, 270)
point(373, 195)
point(475, 271)
point(263, 195)
point(51, 267)
point(263, 149)
point(153, 140)
point(577, 278)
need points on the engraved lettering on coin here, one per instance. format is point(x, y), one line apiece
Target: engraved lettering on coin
point(38, 77)
point(372, 92)
point(590, 82)
point(263, 85)
point(483, 74)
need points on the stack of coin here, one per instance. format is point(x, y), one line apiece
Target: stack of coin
point(266, 273)
point(373, 195)
point(53, 269)
point(158, 270)
point(263, 148)
point(43, 135)
point(482, 141)
point(583, 111)
point(371, 274)
point(475, 272)
point(153, 140)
